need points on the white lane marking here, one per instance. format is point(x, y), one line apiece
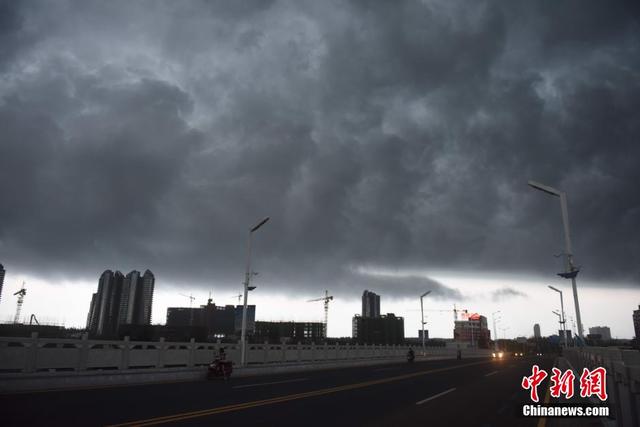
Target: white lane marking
point(435, 396)
point(491, 373)
point(270, 383)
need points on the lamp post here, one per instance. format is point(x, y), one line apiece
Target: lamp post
point(422, 315)
point(570, 269)
point(493, 315)
point(559, 317)
point(573, 324)
point(563, 320)
point(247, 287)
point(504, 332)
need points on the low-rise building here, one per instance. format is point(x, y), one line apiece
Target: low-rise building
point(473, 330)
point(603, 331)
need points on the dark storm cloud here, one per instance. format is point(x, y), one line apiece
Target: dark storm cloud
point(153, 134)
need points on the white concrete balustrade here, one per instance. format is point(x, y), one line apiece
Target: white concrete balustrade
point(36, 354)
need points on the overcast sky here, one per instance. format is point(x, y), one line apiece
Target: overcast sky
point(378, 136)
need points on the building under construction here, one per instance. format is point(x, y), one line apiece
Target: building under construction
point(386, 329)
point(218, 321)
point(289, 332)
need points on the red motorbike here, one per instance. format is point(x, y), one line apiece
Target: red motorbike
point(220, 368)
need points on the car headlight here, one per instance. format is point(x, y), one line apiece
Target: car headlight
point(500, 354)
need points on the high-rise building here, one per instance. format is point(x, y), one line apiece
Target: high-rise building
point(130, 289)
point(603, 331)
point(91, 317)
point(115, 295)
point(370, 304)
point(636, 322)
point(104, 291)
point(146, 300)
point(2, 271)
point(120, 300)
point(536, 331)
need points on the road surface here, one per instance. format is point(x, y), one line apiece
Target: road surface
point(471, 392)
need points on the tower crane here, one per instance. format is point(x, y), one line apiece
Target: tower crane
point(326, 300)
point(455, 312)
point(191, 299)
point(21, 293)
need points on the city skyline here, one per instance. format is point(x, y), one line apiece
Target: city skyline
point(439, 324)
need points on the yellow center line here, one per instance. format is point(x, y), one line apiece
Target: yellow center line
point(287, 398)
point(542, 421)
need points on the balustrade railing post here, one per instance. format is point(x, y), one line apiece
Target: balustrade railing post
point(162, 348)
point(192, 353)
point(124, 353)
point(83, 353)
point(32, 353)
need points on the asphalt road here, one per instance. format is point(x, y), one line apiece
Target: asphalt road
point(472, 392)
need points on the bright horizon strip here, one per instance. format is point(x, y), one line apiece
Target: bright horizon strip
point(67, 303)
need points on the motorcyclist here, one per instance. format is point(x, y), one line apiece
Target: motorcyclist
point(220, 363)
point(411, 355)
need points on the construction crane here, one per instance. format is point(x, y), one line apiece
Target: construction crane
point(455, 312)
point(21, 293)
point(326, 300)
point(239, 296)
point(191, 299)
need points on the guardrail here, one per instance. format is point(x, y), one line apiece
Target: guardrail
point(623, 378)
point(36, 354)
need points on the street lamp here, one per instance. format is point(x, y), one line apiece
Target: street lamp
point(247, 287)
point(559, 316)
point(493, 315)
point(504, 332)
point(563, 320)
point(422, 313)
point(571, 271)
